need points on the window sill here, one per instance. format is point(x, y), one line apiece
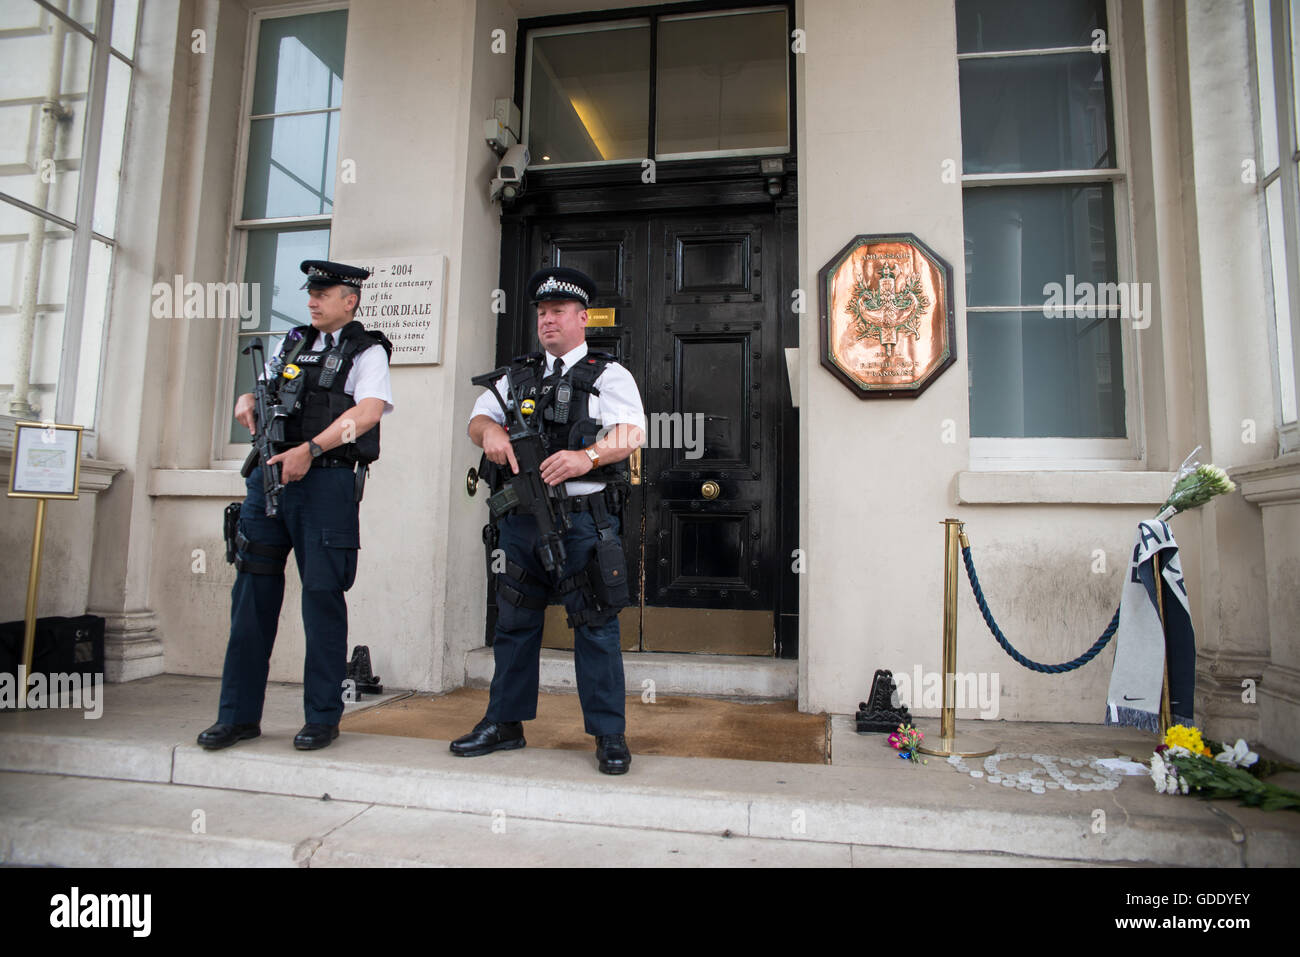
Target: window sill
point(1270, 483)
point(1063, 488)
point(196, 483)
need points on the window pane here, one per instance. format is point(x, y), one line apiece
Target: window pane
point(721, 83)
point(985, 26)
point(38, 255)
point(42, 110)
point(1021, 239)
point(1033, 113)
point(125, 13)
point(589, 96)
point(110, 147)
point(83, 11)
point(1267, 93)
point(1038, 377)
point(300, 62)
point(92, 333)
point(273, 259)
point(291, 165)
point(1295, 71)
point(1281, 300)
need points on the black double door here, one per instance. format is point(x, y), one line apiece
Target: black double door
point(696, 303)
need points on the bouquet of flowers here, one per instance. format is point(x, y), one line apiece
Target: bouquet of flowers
point(906, 740)
point(1184, 763)
point(1194, 485)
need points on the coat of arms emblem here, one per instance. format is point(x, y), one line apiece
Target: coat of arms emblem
point(887, 319)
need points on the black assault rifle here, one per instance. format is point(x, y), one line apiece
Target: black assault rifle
point(526, 491)
point(270, 416)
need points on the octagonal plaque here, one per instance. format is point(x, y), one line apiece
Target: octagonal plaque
point(887, 326)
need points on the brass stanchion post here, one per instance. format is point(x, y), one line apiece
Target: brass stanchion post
point(969, 746)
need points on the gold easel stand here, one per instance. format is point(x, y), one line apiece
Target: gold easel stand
point(1166, 720)
point(33, 580)
point(969, 746)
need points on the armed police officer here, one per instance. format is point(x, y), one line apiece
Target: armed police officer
point(590, 414)
point(331, 377)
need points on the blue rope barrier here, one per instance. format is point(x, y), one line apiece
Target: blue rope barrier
point(1079, 662)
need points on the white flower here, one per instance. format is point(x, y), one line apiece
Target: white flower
point(1158, 773)
point(1237, 756)
point(1165, 776)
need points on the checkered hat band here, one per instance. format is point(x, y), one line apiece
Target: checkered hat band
point(554, 285)
point(314, 273)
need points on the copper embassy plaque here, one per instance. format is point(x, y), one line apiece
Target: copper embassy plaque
point(887, 326)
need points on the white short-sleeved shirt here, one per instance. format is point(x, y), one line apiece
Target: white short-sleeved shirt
point(619, 402)
point(368, 376)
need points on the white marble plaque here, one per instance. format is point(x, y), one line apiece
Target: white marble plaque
point(403, 299)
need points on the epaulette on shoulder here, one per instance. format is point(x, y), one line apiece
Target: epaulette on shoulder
point(355, 329)
point(528, 358)
point(382, 339)
point(592, 354)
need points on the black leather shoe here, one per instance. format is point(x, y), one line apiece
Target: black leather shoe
point(612, 754)
point(224, 735)
point(313, 736)
point(489, 736)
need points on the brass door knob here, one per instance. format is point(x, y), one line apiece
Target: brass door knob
point(710, 490)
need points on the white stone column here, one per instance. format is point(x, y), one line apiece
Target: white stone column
point(132, 398)
point(1231, 390)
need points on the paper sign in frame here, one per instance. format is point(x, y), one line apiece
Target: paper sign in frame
point(26, 433)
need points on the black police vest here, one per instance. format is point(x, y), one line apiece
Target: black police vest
point(565, 425)
point(315, 398)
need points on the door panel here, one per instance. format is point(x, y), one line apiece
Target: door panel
point(707, 502)
point(695, 322)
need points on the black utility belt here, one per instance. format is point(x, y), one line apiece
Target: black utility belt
point(581, 503)
point(332, 462)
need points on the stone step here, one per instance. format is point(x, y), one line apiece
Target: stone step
point(60, 821)
point(867, 798)
point(792, 802)
point(732, 676)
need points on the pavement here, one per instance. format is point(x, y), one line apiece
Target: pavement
point(132, 788)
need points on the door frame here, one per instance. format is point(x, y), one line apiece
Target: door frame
point(731, 183)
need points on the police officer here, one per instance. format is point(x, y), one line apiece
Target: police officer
point(333, 376)
point(593, 418)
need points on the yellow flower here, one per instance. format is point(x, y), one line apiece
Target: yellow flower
point(1189, 738)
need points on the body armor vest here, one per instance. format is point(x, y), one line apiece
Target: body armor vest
point(314, 397)
point(563, 402)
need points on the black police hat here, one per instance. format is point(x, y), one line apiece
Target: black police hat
point(322, 274)
point(560, 282)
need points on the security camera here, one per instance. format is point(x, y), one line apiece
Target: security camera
point(508, 184)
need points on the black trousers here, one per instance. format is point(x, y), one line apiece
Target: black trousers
point(517, 645)
point(319, 520)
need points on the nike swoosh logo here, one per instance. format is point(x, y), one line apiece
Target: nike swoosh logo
point(1127, 698)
